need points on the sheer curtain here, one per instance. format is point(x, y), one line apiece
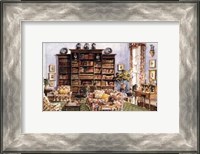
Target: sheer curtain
point(136, 65)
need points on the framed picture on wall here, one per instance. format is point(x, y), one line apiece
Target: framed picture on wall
point(52, 76)
point(52, 68)
point(152, 63)
point(52, 83)
point(152, 75)
point(120, 67)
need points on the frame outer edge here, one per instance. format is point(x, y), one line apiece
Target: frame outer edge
point(188, 138)
point(1, 77)
point(198, 64)
point(11, 133)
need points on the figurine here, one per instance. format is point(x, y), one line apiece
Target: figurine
point(75, 56)
point(152, 52)
point(93, 46)
point(97, 57)
point(86, 46)
point(78, 46)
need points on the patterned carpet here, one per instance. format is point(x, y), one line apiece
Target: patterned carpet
point(127, 107)
point(132, 107)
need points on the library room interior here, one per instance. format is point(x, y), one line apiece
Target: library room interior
point(95, 76)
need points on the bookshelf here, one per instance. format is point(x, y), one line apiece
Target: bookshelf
point(63, 69)
point(108, 71)
point(84, 68)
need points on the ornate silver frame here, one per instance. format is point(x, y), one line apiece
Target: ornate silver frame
point(16, 12)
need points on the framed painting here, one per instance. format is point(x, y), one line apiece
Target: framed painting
point(120, 67)
point(52, 68)
point(152, 63)
point(51, 83)
point(152, 75)
point(40, 30)
point(52, 76)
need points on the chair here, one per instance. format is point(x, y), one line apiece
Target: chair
point(139, 95)
point(47, 106)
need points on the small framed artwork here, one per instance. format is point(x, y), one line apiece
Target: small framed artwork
point(52, 68)
point(52, 83)
point(52, 76)
point(120, 67)
point(152, 75)
point(152, 63)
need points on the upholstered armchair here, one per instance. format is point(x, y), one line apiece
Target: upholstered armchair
point(47, 106)
point(62, 93)
point(99, 98)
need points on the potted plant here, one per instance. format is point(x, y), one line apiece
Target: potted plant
point(46, 83)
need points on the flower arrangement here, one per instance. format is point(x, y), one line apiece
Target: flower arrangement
point(124, 75)
point(46, 82)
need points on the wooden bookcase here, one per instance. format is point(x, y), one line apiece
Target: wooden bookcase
point(86, 68)
point(63, 69)
point(108, 71)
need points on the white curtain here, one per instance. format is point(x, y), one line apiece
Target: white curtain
point(136, 65)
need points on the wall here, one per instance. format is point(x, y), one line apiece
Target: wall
point(51, 49)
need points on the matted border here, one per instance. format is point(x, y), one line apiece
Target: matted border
point(16, 12)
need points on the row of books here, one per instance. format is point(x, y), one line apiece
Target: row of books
point(64, 76)
point(87, 56)
point(91, 70)
point(107, 61)
point(91, 83)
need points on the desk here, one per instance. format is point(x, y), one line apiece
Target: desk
point(144, 95)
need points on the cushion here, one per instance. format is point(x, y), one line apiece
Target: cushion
point(105, 97)
point(98, 93)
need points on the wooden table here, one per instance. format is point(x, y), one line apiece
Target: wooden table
point(46, 91)
point(59, 98)
point(72, 107)
point(145, 95)
point(109, 107)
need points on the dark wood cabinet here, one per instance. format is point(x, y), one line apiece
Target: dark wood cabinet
point(86, 68)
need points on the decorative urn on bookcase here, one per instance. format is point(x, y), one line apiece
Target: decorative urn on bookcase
point(63, 51)
point(93, 46)
point(107, 51)
point(86, 46)
point(78, 46)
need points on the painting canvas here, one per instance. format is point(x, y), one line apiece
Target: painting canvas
point(92, 76)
